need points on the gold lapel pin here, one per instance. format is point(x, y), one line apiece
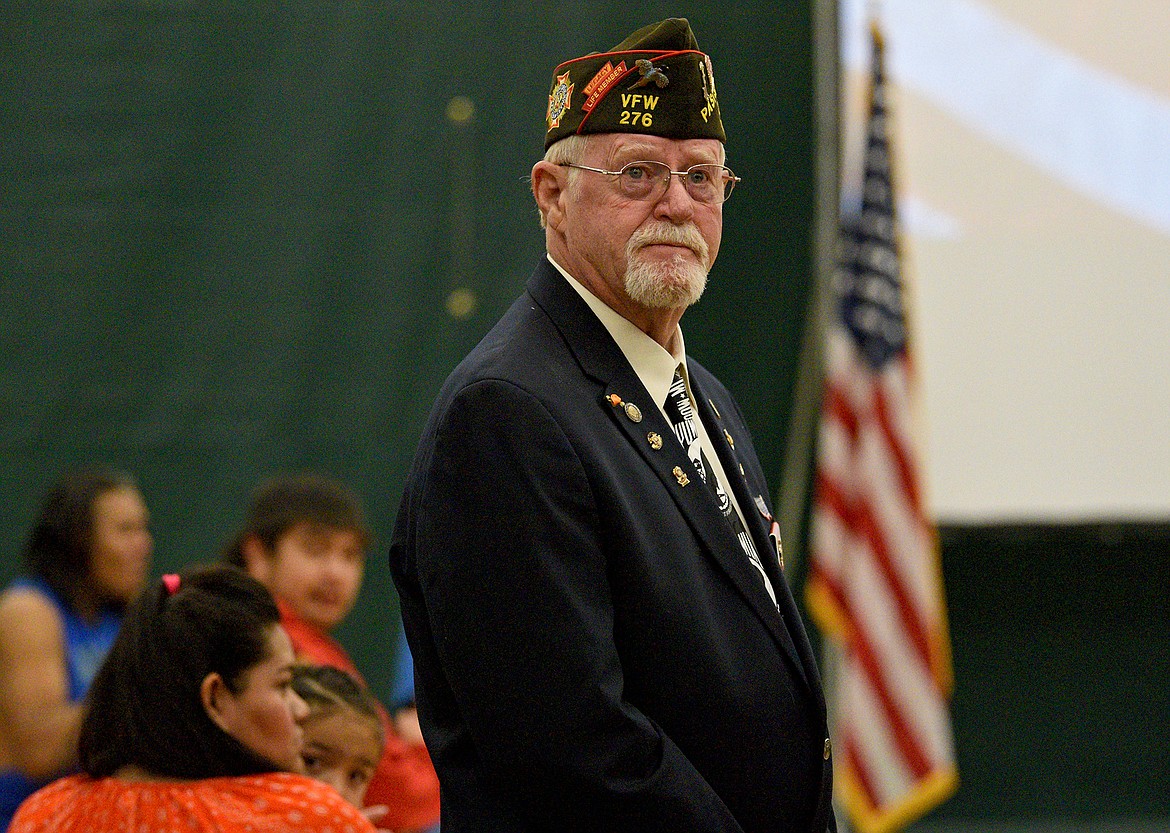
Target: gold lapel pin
point(681, 476)
point(655, 440)
point(632, 412)
point(713, 408)
point(730, 441)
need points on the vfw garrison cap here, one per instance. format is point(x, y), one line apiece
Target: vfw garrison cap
point(656, 81)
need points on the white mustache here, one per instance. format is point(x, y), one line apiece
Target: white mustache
point(671, 235)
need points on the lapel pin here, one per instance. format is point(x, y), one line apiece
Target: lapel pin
point(681, 476)
point(614, 400)
point(774, 534)
point(730, 441)
point(655, 440)
point(632, 412)
point(713, 408)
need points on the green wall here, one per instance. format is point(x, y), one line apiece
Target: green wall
point(1062, 671)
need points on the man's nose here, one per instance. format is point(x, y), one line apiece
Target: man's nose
point(676, 204)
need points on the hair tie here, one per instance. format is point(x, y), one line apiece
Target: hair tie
point(171, 581)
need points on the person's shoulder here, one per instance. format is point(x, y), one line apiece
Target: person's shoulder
point(522, 333)
point(513, 365)
point(43, 809)
point(54, 790)
point(23, 593)
point(298, 802)
point(523, 336)
point(26, 613)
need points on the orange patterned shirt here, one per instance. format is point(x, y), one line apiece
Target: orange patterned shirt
point(278, 801)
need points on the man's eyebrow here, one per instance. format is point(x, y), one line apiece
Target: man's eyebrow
point(635, 152)
point(647, 153)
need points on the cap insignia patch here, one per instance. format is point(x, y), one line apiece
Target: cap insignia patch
point(710, 96)
point(605, 78)
point(558, 101)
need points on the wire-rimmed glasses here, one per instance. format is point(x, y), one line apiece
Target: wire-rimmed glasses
point(647, 181)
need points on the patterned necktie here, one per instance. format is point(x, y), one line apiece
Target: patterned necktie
point(682, 419)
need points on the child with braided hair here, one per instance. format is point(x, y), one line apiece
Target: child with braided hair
point(343, 732)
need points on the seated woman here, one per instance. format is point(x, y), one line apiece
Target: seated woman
point(193, 724)
point(86, 558)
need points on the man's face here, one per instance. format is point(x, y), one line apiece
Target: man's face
point(653, 255)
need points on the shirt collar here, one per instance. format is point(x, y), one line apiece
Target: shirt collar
point(653, 363)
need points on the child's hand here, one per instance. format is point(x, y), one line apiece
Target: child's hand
point(376, 812)
point(406, 725)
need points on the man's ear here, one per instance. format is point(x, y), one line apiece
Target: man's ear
point(214, 694)
point(257, 559)
point(549, 186)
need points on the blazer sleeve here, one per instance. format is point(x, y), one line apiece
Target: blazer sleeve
point(514, 575)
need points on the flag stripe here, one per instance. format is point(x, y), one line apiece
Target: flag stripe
point(867, 659)
point(900, 453)
point(913, 628)
point(859, 517)
point(860, 773)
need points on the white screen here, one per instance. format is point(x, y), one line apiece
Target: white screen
point(1031, 144)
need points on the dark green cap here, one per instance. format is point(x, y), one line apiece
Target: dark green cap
point(656, 81)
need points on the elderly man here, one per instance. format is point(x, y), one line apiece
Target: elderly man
point(590, 575)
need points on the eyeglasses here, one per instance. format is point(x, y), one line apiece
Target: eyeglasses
point(648, 181)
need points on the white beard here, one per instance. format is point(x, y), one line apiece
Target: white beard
point(677, 283)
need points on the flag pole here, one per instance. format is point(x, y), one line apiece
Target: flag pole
point(800, 443)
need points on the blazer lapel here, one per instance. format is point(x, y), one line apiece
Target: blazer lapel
point(759, 521)
point(630, 406)
point(648, 431)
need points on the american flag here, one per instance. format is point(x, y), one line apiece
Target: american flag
point(875, 583)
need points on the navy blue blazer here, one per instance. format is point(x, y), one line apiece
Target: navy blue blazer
point(593, 651)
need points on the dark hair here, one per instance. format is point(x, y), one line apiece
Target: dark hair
point(145, 706)
point(327, 689)
point(282, 502)
point(58, 548)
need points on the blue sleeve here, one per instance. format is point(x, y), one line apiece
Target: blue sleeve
point(402, 685)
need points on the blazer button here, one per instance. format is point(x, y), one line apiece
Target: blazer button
point(828, 748)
